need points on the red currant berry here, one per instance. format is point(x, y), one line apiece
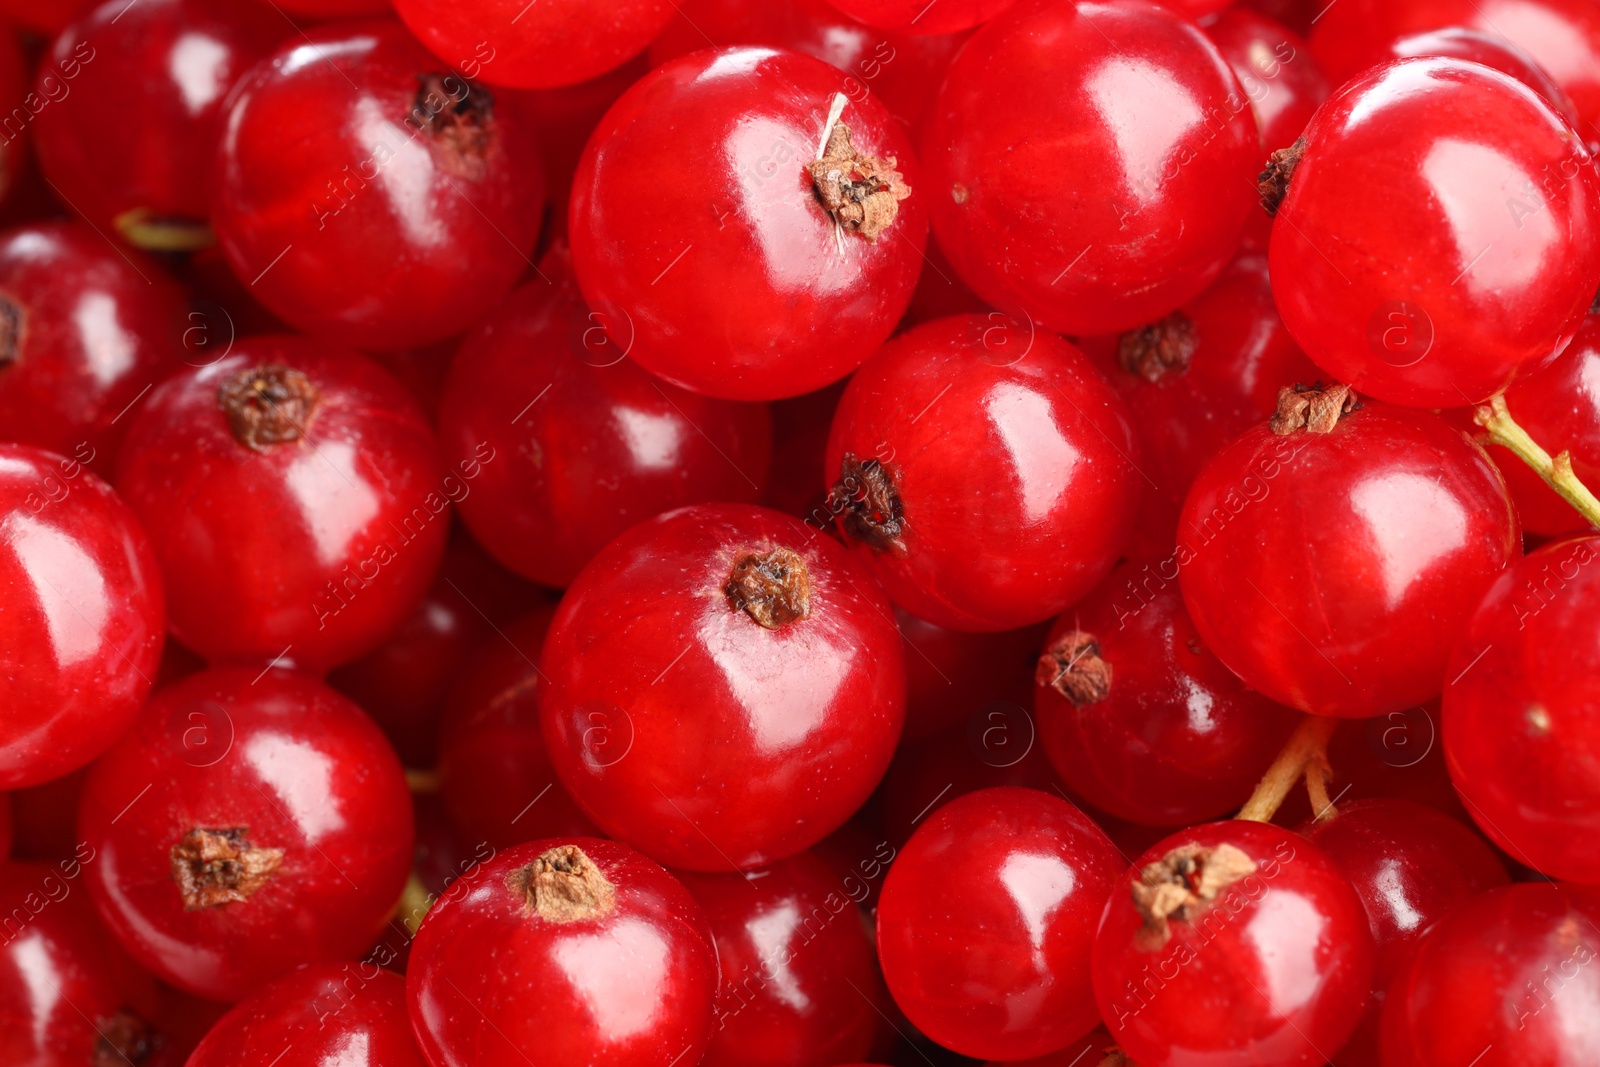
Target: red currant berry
point(85, 330)
point(1232, 943)
point(495, 776)
point(1504, 979)
point(566, 951)
point(351, 1014)
point(591, 443)
point(1297, 15)
point(1519, 713)
point(83, 621)
point(1410, 865)
point(367, 192)
point(984, 471)
point(722, 687)
point(1492, 51)
point(303, 458)
point(1561, 36)
point(1154, 209)
point(14, 72)
point(562, 121)
point(1031, 873)
point(43, 17)
point(248, 823)
point(1140, 718)
point(781, 274)
point(1423, 191)
point(553, 43)
point(918, 16)
point(797, 969)
point(1333, 559)
point(951, 676)
point(148, 180)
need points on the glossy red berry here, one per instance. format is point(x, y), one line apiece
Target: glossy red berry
point(774, 278)
point(248, 823)
point(85, 331)
point(302, 457)
point(352, 1014)
point(1519, 727)
point(1506, 978)
point(722, 687)
point(368, 192)
point(917, 16)
point(952, 676)
point(589, 444)
point(563, 951)
point(556, 42)
point(1490, 50)
point(1155, 208)
point(1232, 943)
point(984, 470)
point(1410, 865)
point(146, 180)
point(1334, 565)
point(798, 972)
point(1031, 873)
point(1403, 252)
point(83, 619)
point(1140, 718)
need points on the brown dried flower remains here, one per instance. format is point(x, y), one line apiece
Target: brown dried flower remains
point(862, 193)
point(773, 588)
point(221, 866)
point(1072, 667)
point(1182, 884)
point(563, 885)
point(1313, 409)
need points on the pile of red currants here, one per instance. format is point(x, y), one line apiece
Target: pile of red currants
point(799, 533)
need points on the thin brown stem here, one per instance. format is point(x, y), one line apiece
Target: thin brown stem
point(1308, 743)
point(1317, 772)
point(1557, 472)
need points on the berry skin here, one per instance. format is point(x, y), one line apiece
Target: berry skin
point(304, 462)
point(590, 443)
point(366, 192)
point(146, 180)
point(352, 1014)
point(1154, 210)
point(1507, 977)
point(1478, 47)
point(722, 686)
point(918, 17)
point(566, 951)
point(1029, 873)
point(248, 823)
point(1520, 726)
point(1374, 540)
point(790, 945)
point(1203, 942)
point(1140, 719)
point(84, 330)
point(1400, 254)
point(742, 285)
point(983, 470)
point(83, 620)
point(559, 42)
point(953, 676)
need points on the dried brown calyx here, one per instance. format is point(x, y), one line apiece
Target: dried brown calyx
point(868, 505)
point(862, 193)
point(458, 117)
point(1072, 667)
point(1164, 346)
point(221, 866)
point(563, 886)
point(1115, 1057)
point(1182, 884)
point(1314, 409)
point(124, 1038)
point(10, 331)
point(1273, 185)
point(773, 588)
point(268, 405)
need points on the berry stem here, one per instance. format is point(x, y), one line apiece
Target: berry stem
point(1503, 430)
point(1308, 744)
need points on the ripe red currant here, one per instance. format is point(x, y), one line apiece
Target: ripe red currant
point(984, 470)
point(1031, 873)
point(301, 463)
point(83, 621)
point(248, 823)
point(574, 950)
point(722, 686)
point(951, 676)
point(776, 276)
point(368, 192)
point(919, 16)
point(1155, 206)
point(1332, 560)
point(1440, 235)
